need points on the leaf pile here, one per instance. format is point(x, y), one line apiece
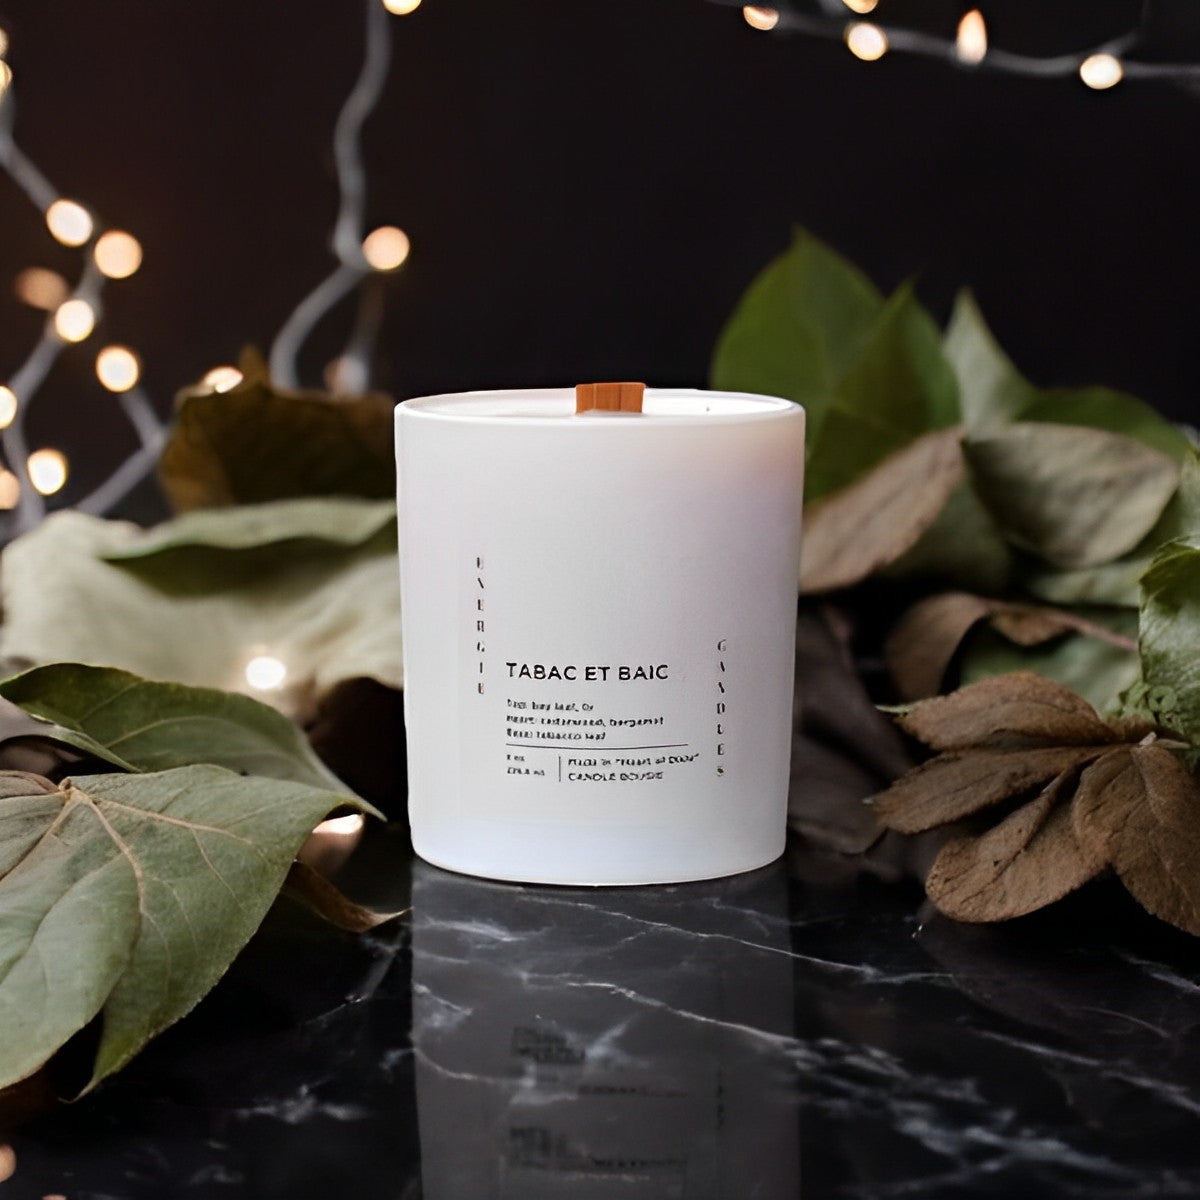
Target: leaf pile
point(1039, 795)
point(125, 896)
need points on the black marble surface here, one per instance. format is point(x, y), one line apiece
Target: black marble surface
point(793, 1032)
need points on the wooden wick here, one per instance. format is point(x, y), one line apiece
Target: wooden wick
point(609, 397)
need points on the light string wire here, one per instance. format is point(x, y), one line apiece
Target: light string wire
point(354, 268)
point(837, 20)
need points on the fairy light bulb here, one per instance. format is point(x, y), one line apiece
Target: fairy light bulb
point(10, 489)
point(5, 75)
point(970, 43)
point(386, 248)
point(118, 368)
point(265, 673)
point(40, 288)
point(862, 7)
point(760, 18)
point(47, 471)
point(74, 320)
point(401, 8)
point(866, 41)
point(117, 254)
point(222, 379)
point(1101, 71)
point(68, 222)
point(8, 406)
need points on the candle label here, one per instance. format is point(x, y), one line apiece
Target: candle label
point(567, 722)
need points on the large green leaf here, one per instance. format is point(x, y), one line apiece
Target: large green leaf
point(140, 725)
point(799, 327)
point(127, 896)
point(992, 391)
point(899, 387)
point(1073, 496)
point(256, 442)
point(1169, 633)
point(197, 615)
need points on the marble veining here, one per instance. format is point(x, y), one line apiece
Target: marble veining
point(779, 1034)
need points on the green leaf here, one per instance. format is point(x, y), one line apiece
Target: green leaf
point(799, 327)
point(1075, 497)
point(1097, 670)
point(340, 522)
point(256, 442)
point(127, 896)
point(197, 615)
point(140, 725)
point(1169, 633)
point(1103, 408)
point(992, 392)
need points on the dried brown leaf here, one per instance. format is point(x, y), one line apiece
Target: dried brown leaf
point(869, 524)
point(923, 642)
point(1026, 861)
point(1139, 807)
point(314, 890)
point(1020, 709)
point(960, 783)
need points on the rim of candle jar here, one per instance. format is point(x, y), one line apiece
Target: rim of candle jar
point(507, 407)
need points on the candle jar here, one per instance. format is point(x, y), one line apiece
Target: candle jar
point(599, 614)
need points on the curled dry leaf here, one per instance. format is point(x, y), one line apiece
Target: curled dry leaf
point(923, 643)
point(1028, 860)
point(854, 532)
point(1139, 808)
point(1009, 711)
point(961, 783)
point(311, 888)
point(1114, 795)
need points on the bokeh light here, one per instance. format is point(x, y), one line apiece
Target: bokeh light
point(47, 470)
point(8, 406)
point(69, 222)
point(401, 8)
point(760, 18)
point(222, 379)
point(74, 320)
point(265, 673)
point(10, 489)
point(118, 368)
point(40, 288)
point(1101, 71)
point(866, 41)
point(386, 248)
point(971, 42)
point(118, 254)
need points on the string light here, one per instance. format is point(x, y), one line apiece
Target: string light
point(401, 8)
point(8, 406)
point(970, 43)
point(386, 248)
point(5, 75)
point(1100, 71)
point(760, 18)
point(40, 288)
point(47, 471)
point(265, 673)
point(118, 368)
point(74, 320)
point(222, 379)
point(117, 254)
point(1100, 67)
point(69, 222)
point(10, 490)
point(866, 41)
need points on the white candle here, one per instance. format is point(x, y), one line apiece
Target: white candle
point(599, 613)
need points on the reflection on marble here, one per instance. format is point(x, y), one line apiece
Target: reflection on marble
point(619, 1043)
point(802, 1031)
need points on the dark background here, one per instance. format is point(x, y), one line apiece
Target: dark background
point(589, 185)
